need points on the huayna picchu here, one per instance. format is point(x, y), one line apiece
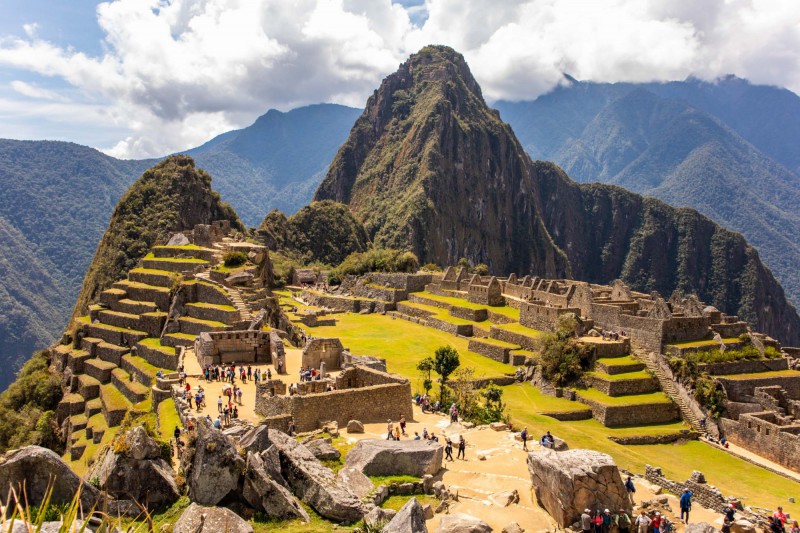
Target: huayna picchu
point(443, 295)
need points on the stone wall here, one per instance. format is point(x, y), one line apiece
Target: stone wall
point(375, 363)
point(512, 337)
point(410, 310)
point(759, 433)
point(156, 357)
point(487, 349)
point(244, 346)
point(742, 390)
point(539, 316)
point(645, 333)
point(357, 377)
point(621, 387)
point(744, 367)
point(631, 415)
point(499, 318)
point(475, 315)
point(704, 494)
point(318, 351)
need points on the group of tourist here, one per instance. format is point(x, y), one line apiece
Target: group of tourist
point(394, 431)
point(603, 521)
point(611, 335)
point(310, 374)
point(228, 373)
point(777, 522)
point(199, 396)
point(424, 403)
point(462, 448)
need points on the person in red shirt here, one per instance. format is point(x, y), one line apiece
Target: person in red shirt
point(780, 515)
point(656, 522)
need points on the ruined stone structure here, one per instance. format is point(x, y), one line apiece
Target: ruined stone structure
point(485, 292)
point(224, 347)
point(706, 495)
point(318, 351)
point(360, 394)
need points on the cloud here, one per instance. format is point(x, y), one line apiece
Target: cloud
point(176, 73)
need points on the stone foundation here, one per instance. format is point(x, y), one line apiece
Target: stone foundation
point(706, 495)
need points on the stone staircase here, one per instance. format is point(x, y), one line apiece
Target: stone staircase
point(245, 315)
point(670, 388)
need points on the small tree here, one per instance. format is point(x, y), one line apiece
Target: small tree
point(481, 269)
point(463, 386)
point(444, 363)
point(426, 367)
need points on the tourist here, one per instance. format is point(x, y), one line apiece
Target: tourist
point(389, 429)
point(462, 448)
point(402, 423)
point(160, 373)
point(686, 505)
point(586, 521)
point(453, 413)
point(597, 521)
point(776, 525)
point(416, 436)
point(397, 432)
point(217, 423)
point(177, 433)
point(448, 450)
point(547, 440)
point(795, 527)
point(726, 525)
point(433, 438)
point(780, 515)
point(656, 522)
point(291, 428)
point(235, 412)
point(425, 433)
point(622, 521)
point(240, 397)
point(630, 488)
point(730, 513)
point(642, 522)
point(249, 372)
point(188, 398)
point(269, 374)
point(606, 521)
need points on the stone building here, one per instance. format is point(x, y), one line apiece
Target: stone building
point(318, 351)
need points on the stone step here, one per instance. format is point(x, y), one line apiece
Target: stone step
point(115, 404)
point(619, 365)
point(111, 353)
point(78, 422)
point(146, 293)
point(133, 307)
point(189, 250)
point(154, 277)
point(93, 407)
point(195, 326)
point(116, 335)
point(76, 360)
point(99, 369)
point(219, 313)
point(178, 339)
point(119, 319)
point(174, 264)
point(622, 384)
point(111, 296)
point(134, 391)
point(88, 387)
point(89, 344)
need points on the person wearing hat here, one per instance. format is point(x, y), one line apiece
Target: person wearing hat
point(622, 521)
point(730, 513)
point(598, 521)
point(606, 521)
point(686, 505)
point(586, 521)
point(656, 522)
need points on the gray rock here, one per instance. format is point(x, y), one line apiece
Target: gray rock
point(216, 468)
point(354, 426)
point(35, 467)
point(513, 527)
point(377, 457)
point(498, 426)
point(427, 509)
point(560, 445)
point(409, 519)
point(264, 494)
point(742, 526)
point(140, 445)
point(179, 239)
point(374, 518)
point(700, 527)
point(239, 278)
point(314, 483)
point(356, 481)
point(323, 451)
point(199, 519)
point(462, 523)
point(505, 498)
point(256, 440)
point(568, 482)
point(427, 484)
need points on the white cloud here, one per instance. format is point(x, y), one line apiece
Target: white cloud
point(176, 73)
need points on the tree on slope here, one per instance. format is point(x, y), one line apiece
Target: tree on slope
point(445, 362)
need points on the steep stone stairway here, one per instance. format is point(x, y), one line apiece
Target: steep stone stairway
point(671, 389)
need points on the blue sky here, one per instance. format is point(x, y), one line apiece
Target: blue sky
point(141, 78)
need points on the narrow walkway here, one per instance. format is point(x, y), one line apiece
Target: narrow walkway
point(751, 457)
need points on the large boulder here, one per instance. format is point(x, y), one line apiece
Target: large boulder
point(374, 518)
point(255, 440)
point(314, 483)
point(216, 467)
point(354, 426)
point(377, 457)
point(323, 451)
point(568, 482)
point(199, 519)
point(36, 468)
point(264, 494)
point(462, 523)
point(134, 468)
point(356, 481)
point(700, 527)
point(409, 519)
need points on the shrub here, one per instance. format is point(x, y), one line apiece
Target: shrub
point(710, 394)
point(481, 269)
point(234, 259)
point(377, 260)
point(431, 267)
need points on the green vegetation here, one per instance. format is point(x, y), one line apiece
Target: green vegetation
point(445, 362)
point(168, 419)
point(563, 359)
point(627, 376)
point(746, 353)
point(165, 199)
point(628, 399)
point(702, 343)
point(27, 407)
point(234, 259)
point(374, 260)
point(764, 375)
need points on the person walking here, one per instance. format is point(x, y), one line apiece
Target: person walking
point(606, 521)
point(656, 522)
point(389, 430)
point(448, 450)
point(586, 521)
point(622, 521)
point(642, 522)
point(462, 448)
point(686, 505)
point(524, 437)
point(630, 489)
point(403, 424)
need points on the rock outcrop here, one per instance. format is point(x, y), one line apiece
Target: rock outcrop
point(462, 523)
point(410, 519)
point(199, 519)
point(568, 482)
point(216, 467)
point(323, 451)
point(700, 527)
point(377, 516)
point(264, 494)
point(375, 457)
point(36, 468)
point(314, 483)
point(355, 426)
point(255, 440)
point(356, 481)
point(136, 470)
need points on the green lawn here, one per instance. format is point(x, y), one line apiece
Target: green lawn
point(519, 328)
point(619, 361)
point(167, 419)
point(154, 343)
point(622, 377)
point(402, 343)
point(763, 375)
point(194, 260)
point(209, 323)
point(697, 344)
point(630, 399)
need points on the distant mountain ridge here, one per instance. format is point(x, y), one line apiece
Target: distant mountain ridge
point(430, 167)
point(710, 146)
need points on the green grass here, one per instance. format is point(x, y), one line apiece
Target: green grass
point(140, 285)
point(192, 260)
point(209, 323)
point(180, 247)
point(496, 342)
point(142, 364)
point(621, 377)
point(402, 343)
point(154, 272)
point(113, 399)
point(506, 311)
point(205, 305)
point(167, 419)
point(155, 343)
point(525, 394)
point(117, 328)
point(458, 302)
point(397, 502)
point(763, 375)
point(187, 336)
point(698, 344)
point(630, 399)
point(619, 361)
point(393, 480)
point(519, 328)
point(81, 466)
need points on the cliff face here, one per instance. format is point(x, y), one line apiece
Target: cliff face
point(429, 167)
point(171, 196)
